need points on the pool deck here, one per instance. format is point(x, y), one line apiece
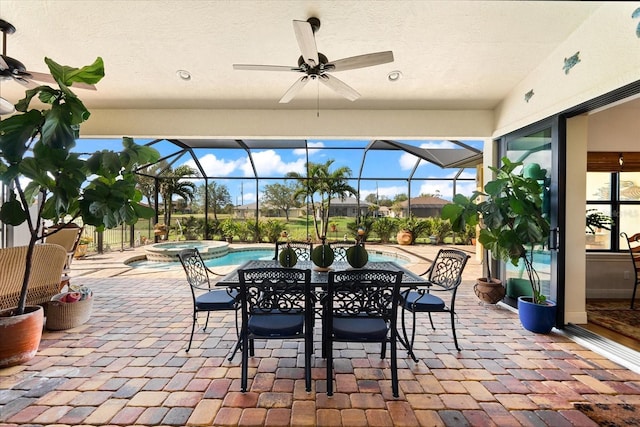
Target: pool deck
point(112, 264)
point(128, 366)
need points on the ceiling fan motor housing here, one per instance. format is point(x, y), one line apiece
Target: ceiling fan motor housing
point(317, 70)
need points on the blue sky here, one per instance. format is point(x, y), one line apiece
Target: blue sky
point(391, 168)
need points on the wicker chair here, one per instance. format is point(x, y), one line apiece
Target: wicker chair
point(46, 270)
point(67, 237)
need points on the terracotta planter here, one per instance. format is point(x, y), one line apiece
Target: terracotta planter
point(20, 335)
point(489, 292)
point(81, 251)
point(404, 237)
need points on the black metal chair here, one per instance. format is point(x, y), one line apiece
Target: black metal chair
point(276, 303)
point(362, 306)
point(302, 249)
point(634, 250)
point(205, 297)
point(340, 250)
point(444, 275)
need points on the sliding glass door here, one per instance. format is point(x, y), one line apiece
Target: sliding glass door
point(538, 149)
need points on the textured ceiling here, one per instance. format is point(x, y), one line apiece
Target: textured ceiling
point(452, 54)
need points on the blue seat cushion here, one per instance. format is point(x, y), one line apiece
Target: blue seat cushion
point(215, 300)
point(359, 328)
point(276, 325)
point(426, 302)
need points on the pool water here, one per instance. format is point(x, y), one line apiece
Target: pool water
point(242, 256)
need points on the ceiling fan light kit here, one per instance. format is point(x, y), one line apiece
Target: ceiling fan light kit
point(314, 65)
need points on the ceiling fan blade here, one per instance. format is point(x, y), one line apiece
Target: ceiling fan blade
point(6, 107)
point(307, 42)
point(294, 89)
point(250, 67)
point(3, 64)
point(361, 61)
point(48, 78)
point(340, 87)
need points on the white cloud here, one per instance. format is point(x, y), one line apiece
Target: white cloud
point(269, 163)
point(216, 167)
point(302, 152)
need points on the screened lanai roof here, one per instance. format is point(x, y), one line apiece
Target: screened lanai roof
point(461, 156)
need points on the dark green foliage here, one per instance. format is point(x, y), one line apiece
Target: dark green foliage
point(514, 221)
point(35, 148)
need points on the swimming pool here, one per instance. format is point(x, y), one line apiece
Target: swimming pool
point(240, 256)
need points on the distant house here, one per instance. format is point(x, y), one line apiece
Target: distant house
point(423, 207)
point(348, 207)
point(385, 211)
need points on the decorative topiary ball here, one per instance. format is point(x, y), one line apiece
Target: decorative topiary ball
point(322, 256)
point(288, 257)
point(357, 256)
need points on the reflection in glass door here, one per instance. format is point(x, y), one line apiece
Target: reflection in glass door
point(530, 148)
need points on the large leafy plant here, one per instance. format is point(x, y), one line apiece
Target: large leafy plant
point(39, 168)
point(513, 222)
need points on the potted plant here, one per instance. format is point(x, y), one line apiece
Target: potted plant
point(513, 223)
point(83, 244)
point(39, 168)
point(597, 221)
point(229, 229)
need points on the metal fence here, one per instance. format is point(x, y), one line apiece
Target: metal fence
point(120, 238)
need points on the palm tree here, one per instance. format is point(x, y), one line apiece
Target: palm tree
point(171, 183)
point(320, 180)
point(145, 180)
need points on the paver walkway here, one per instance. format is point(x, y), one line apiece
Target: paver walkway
point(128, 366)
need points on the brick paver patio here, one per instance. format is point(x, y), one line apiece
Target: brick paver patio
point(127, 366)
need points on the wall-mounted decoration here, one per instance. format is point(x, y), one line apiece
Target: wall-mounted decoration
point(634, 15)
point(571, 62)
point(528, 95)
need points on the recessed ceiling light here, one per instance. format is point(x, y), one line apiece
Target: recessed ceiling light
point(394, 76)
point(183, 74)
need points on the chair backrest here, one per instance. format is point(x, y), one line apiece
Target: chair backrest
point(302, 249)
point(275, 291)
point(633, 243)
point(340, 250)
point(364, 292)
point(67, 237)
point(446, 269)
point(46, 269)
point(195, 269)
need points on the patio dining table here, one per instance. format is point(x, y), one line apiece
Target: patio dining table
point(319, 279)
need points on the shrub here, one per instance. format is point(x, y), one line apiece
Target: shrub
point(385, 227)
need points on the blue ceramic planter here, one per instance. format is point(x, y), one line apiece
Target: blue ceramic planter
point(537, 318)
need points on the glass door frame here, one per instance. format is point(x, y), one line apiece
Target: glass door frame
point(557, 187)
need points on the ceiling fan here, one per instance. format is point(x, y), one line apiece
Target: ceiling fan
point(314, 65)
point(12, 69)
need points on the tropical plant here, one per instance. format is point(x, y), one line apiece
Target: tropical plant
point(327, 185)
point(513, 222)
point(439, 228)
point(172, 183)
point(362, 228)
point(192, 228)
point(38, 166)
point(417, 227)
point(597, 219)
point(272, 229)
point(385, 227)
point(229, 228)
